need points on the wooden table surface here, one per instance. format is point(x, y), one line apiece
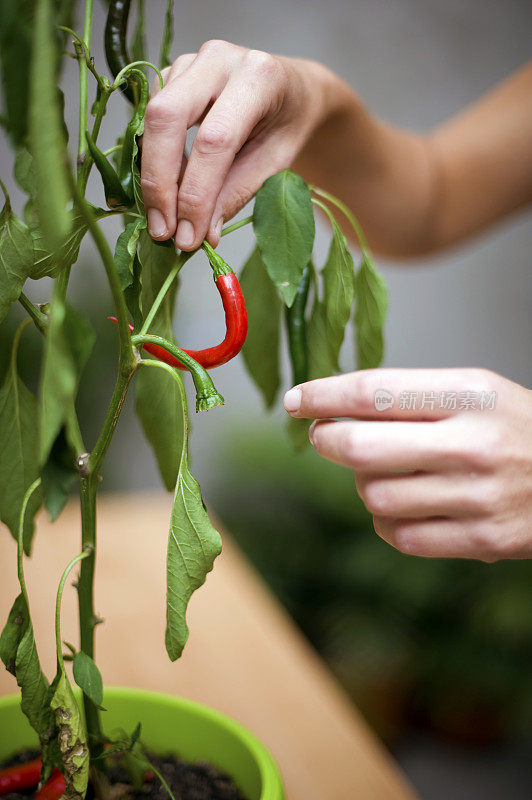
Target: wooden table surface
point(244, 656)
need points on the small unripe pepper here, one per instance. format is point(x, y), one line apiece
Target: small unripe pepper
point(296, 326)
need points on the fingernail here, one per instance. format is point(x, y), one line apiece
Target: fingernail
point(311, 432)
point(292, 400)
point(185, 233)
point(156, 223)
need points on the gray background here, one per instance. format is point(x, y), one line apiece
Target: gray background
point(415, 62)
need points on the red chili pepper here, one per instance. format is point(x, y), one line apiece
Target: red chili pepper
point(53, 789)
point(20, 777)
point(236, 322)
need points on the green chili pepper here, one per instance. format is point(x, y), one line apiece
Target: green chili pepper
point(116, 47)
point(207, 396)
point(115, 195)
point(297, 329)
point(124, 170)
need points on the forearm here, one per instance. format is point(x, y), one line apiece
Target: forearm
point(418, 193)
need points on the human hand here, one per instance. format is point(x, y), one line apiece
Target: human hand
point(439, 481)
point(255, 112)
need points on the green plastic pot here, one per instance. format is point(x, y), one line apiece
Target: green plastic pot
point(169, 724)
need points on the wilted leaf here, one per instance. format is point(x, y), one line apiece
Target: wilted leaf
point(71, 738)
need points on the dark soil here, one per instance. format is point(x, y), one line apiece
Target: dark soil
point(199, 781)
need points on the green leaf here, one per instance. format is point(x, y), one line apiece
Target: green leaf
point(51, 262)
point(168, 35)
point(370, 314)
point(71, 738)
point(158, 406)
point(59, 475)
point(338, 290)
point(16, 256)
point(193, 543)
point(47, 138)
point(133, 292)
point(18, 452)
point(69, 341)
point(321, 364)
point(283, 222)
point(16, 29)
point(261, 348)
point(125, 250)
point(87, 676)
point(19, 654)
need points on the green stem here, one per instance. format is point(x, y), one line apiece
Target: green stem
point(346, 211)
point(127, 358)
point(83, 79)
point(36, 314)
point(87, 617)
point(20, 538)
point(64, 576)
point(207, 396)
point(172, 275)
point(236, 225)
point(111, 420)
point(87, 160)
point(123, 72)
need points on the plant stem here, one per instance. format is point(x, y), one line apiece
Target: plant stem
point(37, 316)
point(83, 80)
point(236, 225)
point(172, 275)
point(20, 547)
point(346, 211)
point(87, 618)
point(111, 421)
point(59, 597)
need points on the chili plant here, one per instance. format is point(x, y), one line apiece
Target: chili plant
point(42, 447)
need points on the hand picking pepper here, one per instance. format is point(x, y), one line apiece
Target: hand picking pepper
point(53, 789)
point(20, 777)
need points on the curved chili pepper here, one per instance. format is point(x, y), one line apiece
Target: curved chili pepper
point(20, 777)
point(115, 44)
point(53, 789)
point(296, 326)
point(236, 321)
point(116, 196)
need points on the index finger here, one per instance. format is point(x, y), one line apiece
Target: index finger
point(394, 394)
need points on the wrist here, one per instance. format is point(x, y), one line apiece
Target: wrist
point(323, 94)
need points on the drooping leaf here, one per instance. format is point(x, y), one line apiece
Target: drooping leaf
point(59, 475)
point(47, 140)
point(51, 262)
point(19, 655)
point(69, 341)
point(261, 348)
point(158, 406)
point(16, 29)
point(18, 452)
point(338, 291)
point(283, 222)
point(193, 544)
point(321, 364)
point(16, 256)
point(71, 738)
point(133, 292)
point(168, 35)
point(88, 678)
point(125, 250)
point(370, 314)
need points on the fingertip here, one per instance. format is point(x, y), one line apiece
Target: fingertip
point(157, 225)
point(292, 400)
